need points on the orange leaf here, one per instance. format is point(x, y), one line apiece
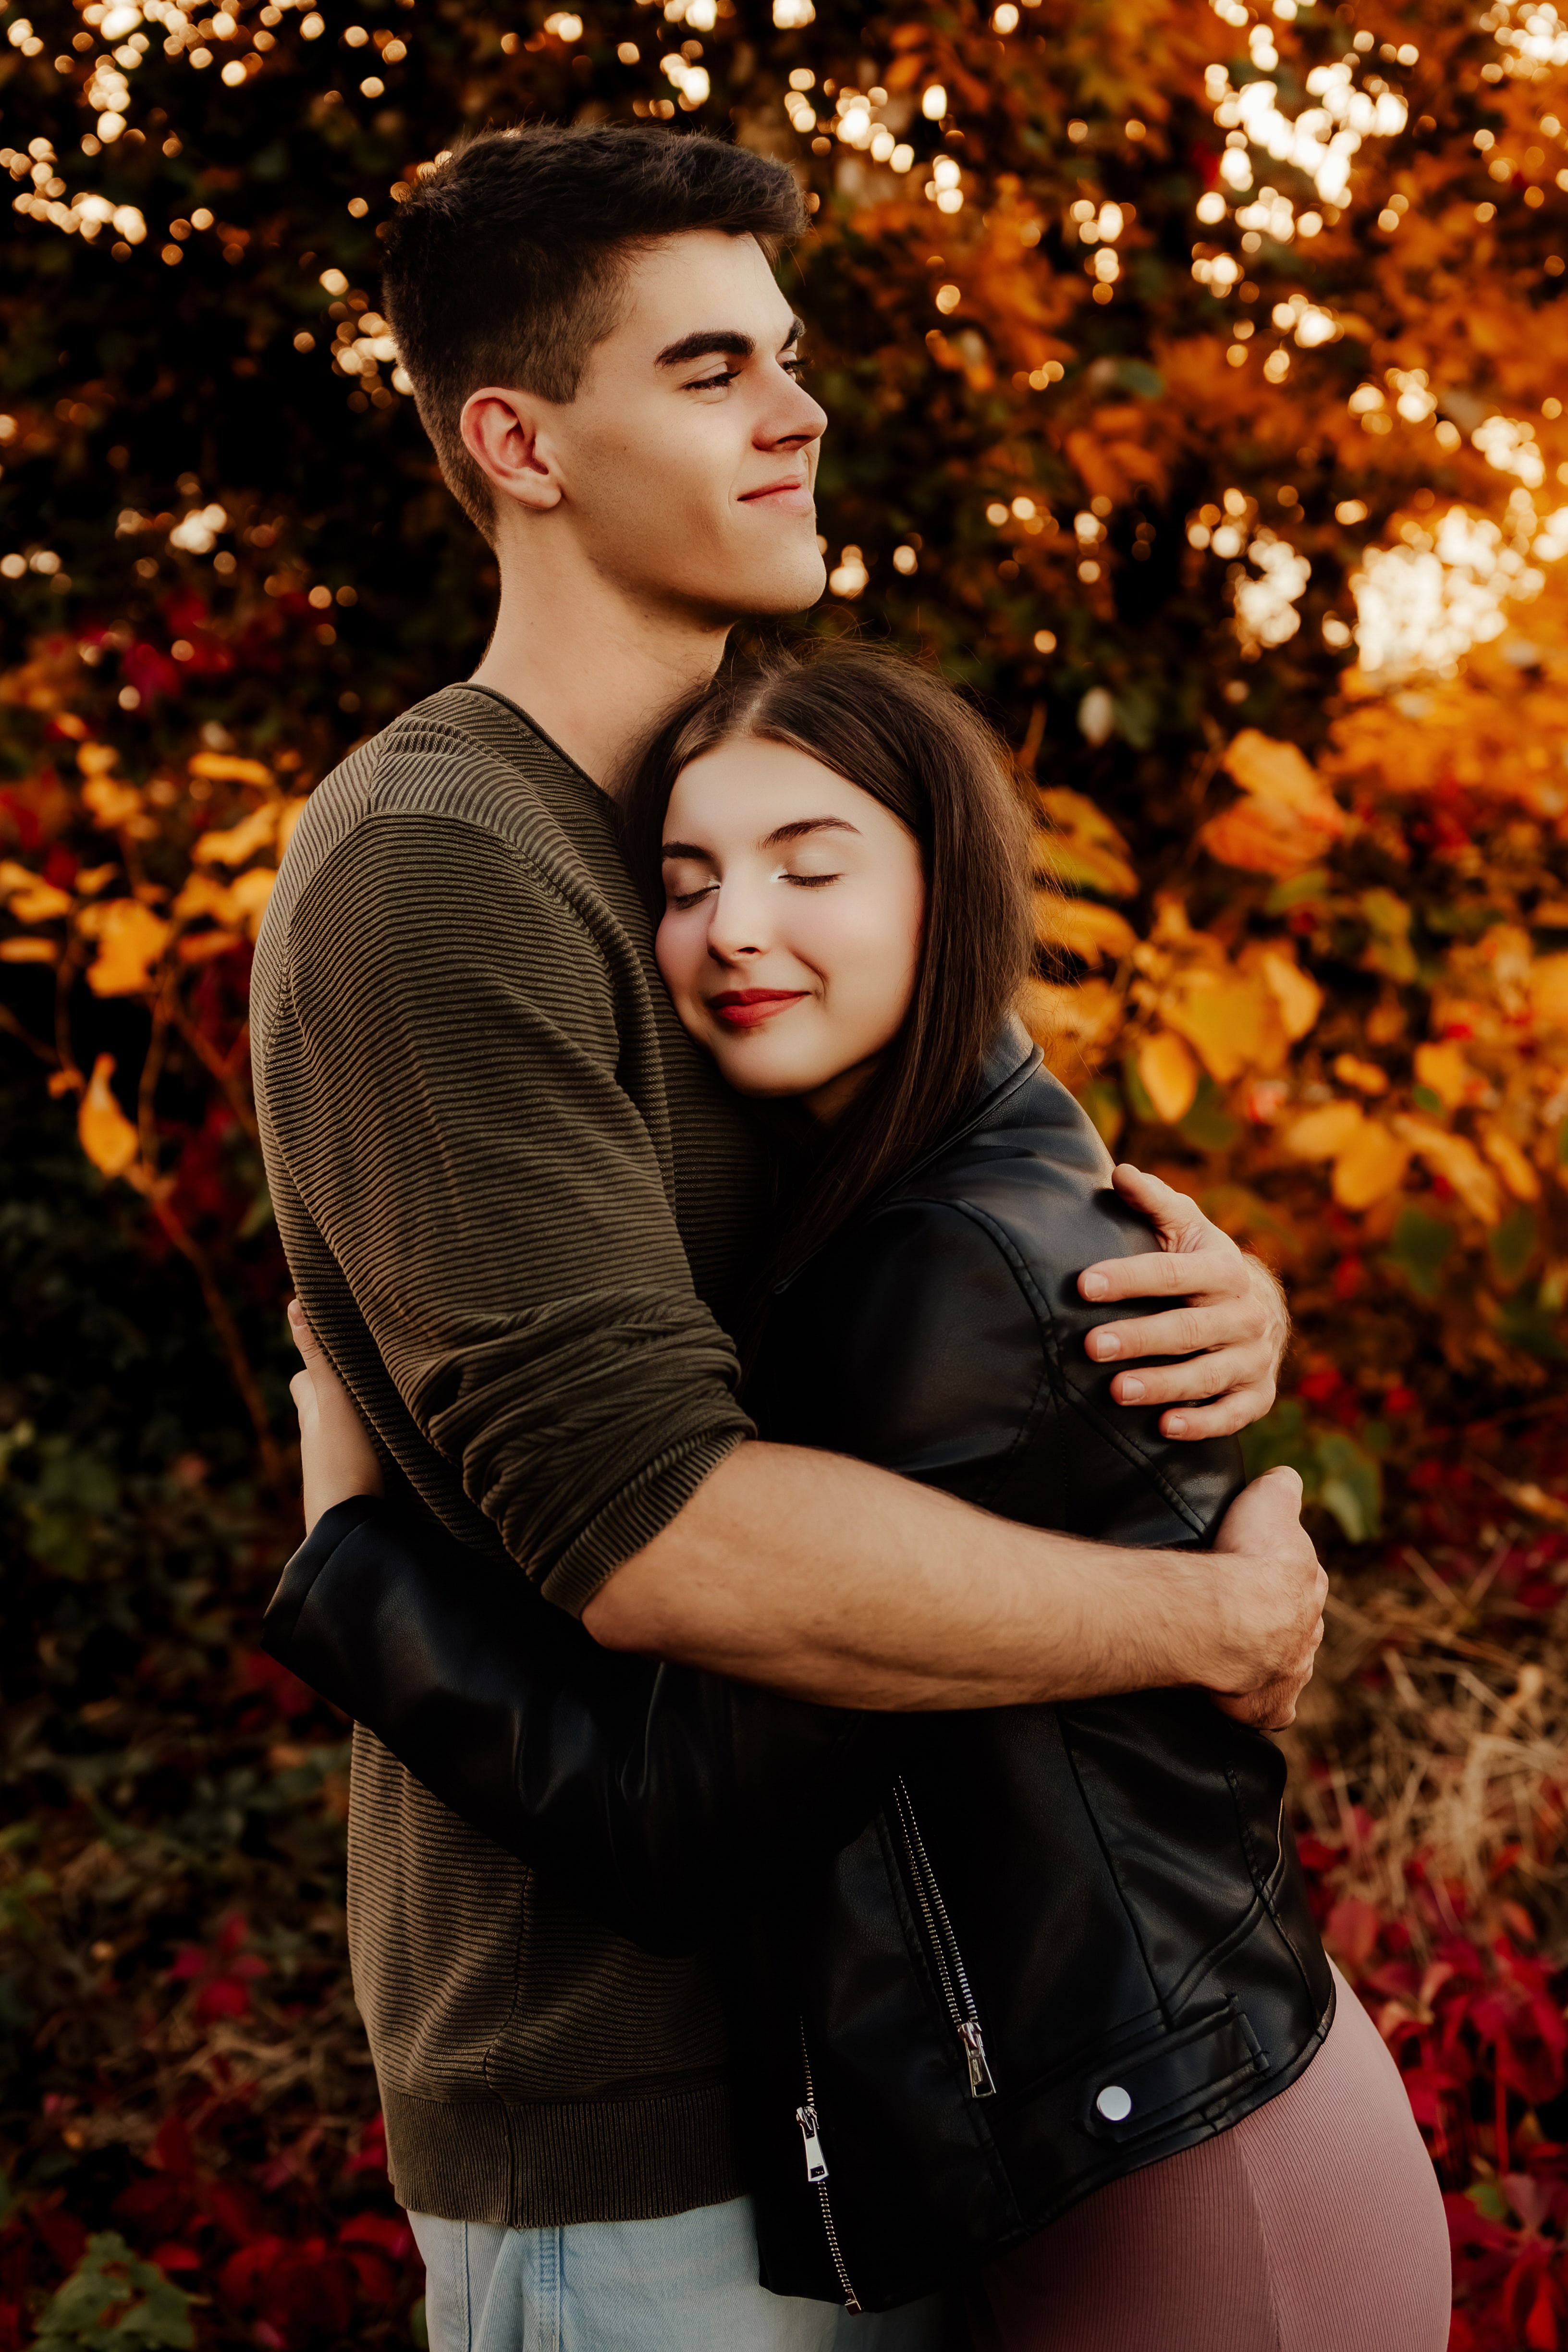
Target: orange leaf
point(1455, 1159)
point(1081, 928)
point(1083, 849)
point(1295, 991)
point(1372, 1166)
point(112, 804)
point(29, 951)
point(1170, 1075)
point(1445, 1071)
point(1232, 1019)
point(130, 938)
point(106, 1136)
point(1511, 1164)
point(1324, 1134)
point(240, 841)
point(1367, 1077)
point(227, 768)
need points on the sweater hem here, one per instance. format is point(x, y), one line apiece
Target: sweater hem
point(547, 2164)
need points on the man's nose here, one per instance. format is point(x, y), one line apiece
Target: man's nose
point(797, 421)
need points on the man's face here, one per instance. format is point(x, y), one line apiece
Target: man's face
point(688, 459)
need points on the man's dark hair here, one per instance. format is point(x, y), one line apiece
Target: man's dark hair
point(506, 263)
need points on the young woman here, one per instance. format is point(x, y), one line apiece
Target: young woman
point(1029, 1998)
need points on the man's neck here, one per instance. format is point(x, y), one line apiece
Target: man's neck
point(594, 667)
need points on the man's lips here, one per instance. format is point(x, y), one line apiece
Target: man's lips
point(792, 497)
point(743, 1008)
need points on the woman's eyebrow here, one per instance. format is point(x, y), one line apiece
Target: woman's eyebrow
point(804, 824)
point(684, 849)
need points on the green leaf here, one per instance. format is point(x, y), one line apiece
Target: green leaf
point(1137, 375)
point(1425, 1100)
point(1309, 890)
point(1511, 1247)
point(1137, 1093)
point(113, 2302)
point(1388, 950)
point(418, 2328)
point(1530, 1323)
point(1102, 1101)
point(1208, 1126)
point(1419, 1249)
point(1351, 1485)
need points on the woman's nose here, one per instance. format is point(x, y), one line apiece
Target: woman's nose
point(735, 928)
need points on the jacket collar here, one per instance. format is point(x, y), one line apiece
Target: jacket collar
point(1011, 1061)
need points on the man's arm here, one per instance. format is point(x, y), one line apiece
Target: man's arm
point(833, 1580)
point(1231, 1328)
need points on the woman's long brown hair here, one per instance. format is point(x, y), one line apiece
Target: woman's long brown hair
point(913, 744)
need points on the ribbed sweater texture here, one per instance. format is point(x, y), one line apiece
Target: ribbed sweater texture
point(515, 1199)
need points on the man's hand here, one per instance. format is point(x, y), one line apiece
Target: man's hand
point(336, 1456)
point(1276, 1607)
point(1232, 1324)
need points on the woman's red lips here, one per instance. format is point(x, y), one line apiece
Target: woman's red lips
point(743, 1008)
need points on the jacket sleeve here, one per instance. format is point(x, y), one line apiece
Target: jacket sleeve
point(660, 1796)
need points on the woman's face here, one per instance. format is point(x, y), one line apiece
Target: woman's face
point(791, 935)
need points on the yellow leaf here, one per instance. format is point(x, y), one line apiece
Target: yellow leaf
point(1081, 928)
point(240, 841)
point(1232, 1019)
point(1277, 771)
point(1510, 1163)
point(13, 877)
point(29, 951)
point(1295, 991)
point(112, 803)
point(1367, 1077)
point(248, 896)
point(1324, 1134)
point(1259, 838)
point(1445, 1071)
point(1372, 1166)
point(1288, 818)
point(40, 904)
point(130, 938)
point(1457, 1160)
point(227, 768)
point(96, 758)
point(1170, 1075)
point(1548, 985)
point(1083, 848)
point(1074, 1024)
point(201, 894)
point(106, 1136)
point(201, 947)
point(289, 816)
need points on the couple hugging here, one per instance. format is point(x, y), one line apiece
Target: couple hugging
point(816, 1873)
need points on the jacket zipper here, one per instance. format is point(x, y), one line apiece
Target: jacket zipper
point(950, 1968)
point(817, 2173)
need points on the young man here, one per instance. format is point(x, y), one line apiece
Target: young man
point(516, 1199)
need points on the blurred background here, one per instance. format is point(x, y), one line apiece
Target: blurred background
point(1197, 377)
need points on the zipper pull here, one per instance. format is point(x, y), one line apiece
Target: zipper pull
point(981, 2084)
point(815, 2162)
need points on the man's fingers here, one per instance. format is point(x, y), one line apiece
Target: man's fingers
point(1234, 1412)
point(1176, 1214)
point(304, 1339)
point(1198, 1377)
point(302, 1389)
point(1269, 1709)
point(1184, 1330)
point(1219, 1273)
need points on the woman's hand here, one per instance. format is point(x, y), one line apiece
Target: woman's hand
point(1231, 1328)
point(335, 1455)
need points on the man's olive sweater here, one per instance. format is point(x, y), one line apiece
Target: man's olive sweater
point(513, 1196)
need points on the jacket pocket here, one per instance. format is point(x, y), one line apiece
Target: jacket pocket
point(942, 1945)
point(1145, 2089)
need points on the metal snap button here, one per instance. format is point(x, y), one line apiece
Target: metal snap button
point(1114, 2103)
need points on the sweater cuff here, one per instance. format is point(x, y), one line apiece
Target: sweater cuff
point(277, 1626)
point(639, 1512)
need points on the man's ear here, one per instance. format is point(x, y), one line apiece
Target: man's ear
point(507, 434)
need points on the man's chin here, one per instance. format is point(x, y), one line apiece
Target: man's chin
point(792, 585)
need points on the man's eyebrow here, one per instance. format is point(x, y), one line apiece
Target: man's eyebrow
point(728, 342)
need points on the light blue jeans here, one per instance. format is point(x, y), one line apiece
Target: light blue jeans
point(685, 2285)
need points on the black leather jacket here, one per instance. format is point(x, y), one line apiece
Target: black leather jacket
point(985, 1962)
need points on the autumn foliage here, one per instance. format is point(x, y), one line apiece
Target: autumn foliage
point(1196, 375)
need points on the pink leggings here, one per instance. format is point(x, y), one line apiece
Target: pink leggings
point(1314, 2226)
